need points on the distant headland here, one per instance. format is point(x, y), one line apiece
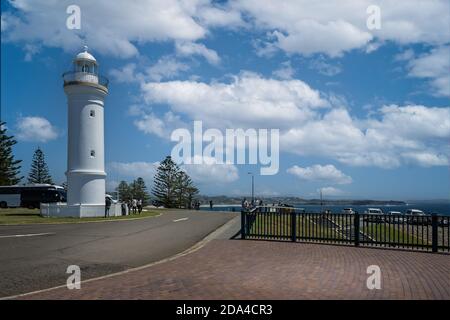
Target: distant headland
point(300, 201)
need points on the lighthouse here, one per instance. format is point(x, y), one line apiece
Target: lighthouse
point(86, 91)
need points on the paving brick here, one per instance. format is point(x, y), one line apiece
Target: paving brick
point(236, 269)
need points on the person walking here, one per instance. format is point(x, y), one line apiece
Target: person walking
point(107, 206)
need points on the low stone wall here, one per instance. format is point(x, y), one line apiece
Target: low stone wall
point(79, 211)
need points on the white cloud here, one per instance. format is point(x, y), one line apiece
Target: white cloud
point(312, 123)
point(426, 159)
point(166, 68)
point(190, 48)
point(324, 67)
point(133, 170)
point(209, 172)
point(285, 71)
point(331, 191)
point(248, 101)
point(295, 26)
point(374, 142)
point(434, 66)
point(36, 129)
point(30, 50)
point(120, 27)
point(126, 74)
point(335, 27)
point(327, 173)
point(150, 123)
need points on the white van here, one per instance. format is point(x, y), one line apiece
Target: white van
point(414, 212)
point(374, 211)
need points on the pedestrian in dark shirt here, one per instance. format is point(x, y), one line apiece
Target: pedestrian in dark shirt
point(107, 206)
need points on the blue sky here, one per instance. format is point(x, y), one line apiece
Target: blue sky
point(362, 113)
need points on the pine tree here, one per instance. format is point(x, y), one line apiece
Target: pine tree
point(139, 190)
point(9, 167)
point(39, 172)
point(191, 192)
point(124, 191)
point(185, 190)
point(165, 183)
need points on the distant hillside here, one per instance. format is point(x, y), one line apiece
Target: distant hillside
point(298, 201)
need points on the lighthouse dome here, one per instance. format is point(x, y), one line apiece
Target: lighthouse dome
point(85, 55)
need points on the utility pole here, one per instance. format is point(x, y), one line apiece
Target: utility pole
point(253, 187)
point(321, 201)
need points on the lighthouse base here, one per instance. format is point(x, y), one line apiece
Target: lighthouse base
point(79, 211)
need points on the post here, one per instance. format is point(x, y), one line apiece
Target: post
point(253, 188)
point(294, 226)
point(356, 229)
point(243, 213)
point(434, 233)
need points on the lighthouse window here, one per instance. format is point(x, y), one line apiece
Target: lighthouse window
point(92, 113)
point(92, 153)
point(85, 68)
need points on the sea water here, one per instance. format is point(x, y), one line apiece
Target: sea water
point(440, 208)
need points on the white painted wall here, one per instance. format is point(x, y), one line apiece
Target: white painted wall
point(86, 173)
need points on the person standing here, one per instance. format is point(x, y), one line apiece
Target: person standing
point(210, 204)
point(107, 206)
point(134, 205)
point(139, 205)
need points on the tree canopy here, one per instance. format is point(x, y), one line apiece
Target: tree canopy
point(173, 187)
point(9, 167)
point(39, 172)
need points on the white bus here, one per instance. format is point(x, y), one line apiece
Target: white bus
point(30, 196)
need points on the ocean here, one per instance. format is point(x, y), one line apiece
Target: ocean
point(440, 208)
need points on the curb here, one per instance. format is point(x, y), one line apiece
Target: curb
point(79, 222)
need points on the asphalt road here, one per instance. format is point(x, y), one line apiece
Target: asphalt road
point(34, 257)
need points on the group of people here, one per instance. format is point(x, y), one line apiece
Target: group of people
point(134, 206)
point(251, 204)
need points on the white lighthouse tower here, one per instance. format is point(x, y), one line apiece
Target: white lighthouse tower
point(86, 91)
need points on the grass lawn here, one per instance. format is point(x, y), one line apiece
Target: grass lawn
point(32, 216)
point(337, 227)
point(394, 233)
point(280, 226)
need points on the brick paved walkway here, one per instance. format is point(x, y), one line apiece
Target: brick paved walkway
point(235, 269)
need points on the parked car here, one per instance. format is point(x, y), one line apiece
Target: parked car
point(348, 211)
point(416, 216)
point(373, 215)
point(395, 217)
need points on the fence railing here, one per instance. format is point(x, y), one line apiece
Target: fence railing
point(428, 232)
point(71, 77)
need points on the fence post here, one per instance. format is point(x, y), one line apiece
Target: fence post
point(356, 228)
point(434, 233)
point(294, 226)
point(243, 224)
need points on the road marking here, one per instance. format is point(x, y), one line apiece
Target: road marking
point(182, 219)
point(27, 235)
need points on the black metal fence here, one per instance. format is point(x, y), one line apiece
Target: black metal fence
point(427, 232)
